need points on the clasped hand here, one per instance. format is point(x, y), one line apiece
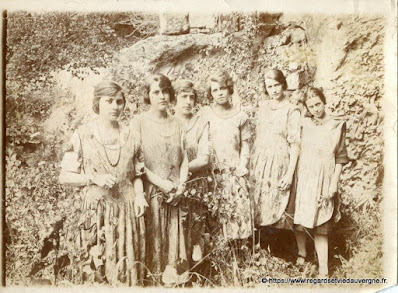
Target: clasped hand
point(104, 180)
point(140, 205)
point(285, 182)
point(326, 199)
point(333, 188)
point(174, 191)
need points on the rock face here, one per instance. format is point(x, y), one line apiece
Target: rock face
point(351, 71)
point(202, 23)
point(176, 56)
point(174, 23)
point(157, 52)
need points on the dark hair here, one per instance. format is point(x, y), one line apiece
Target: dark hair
point(164, 84)
point(223, 78)
point(106, 88)
point(185, 85)
point(277, 75)
point(314, 92)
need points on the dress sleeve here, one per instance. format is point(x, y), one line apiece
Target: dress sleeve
point(341, 151)
point(293, 126)
point(139, 165)
point(72, 159)
point(135, 132)
point(183, 138)
point(244, 127)
point(135, 125)
point(204, 145)
point(203, 113)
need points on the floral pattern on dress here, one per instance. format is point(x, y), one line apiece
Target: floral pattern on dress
point(110, 232)
point(276, 130)
point(234, 203)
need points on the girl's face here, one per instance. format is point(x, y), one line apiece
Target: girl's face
point(316, 107)
point(219, 93)
point(274, 89)
point(185, 102)
point(110, 108)
point(159, 98)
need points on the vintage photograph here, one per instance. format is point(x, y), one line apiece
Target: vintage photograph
point(189, 149)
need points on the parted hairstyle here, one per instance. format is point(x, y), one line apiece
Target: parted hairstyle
point(106, 88)
point(164, 84)
point(277, 75)
point(314, 92)
point(185, 85)
point(223, 78)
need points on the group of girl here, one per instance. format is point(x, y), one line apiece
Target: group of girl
point(134, 178)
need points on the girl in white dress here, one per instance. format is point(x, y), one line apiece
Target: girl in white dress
point(322, 156)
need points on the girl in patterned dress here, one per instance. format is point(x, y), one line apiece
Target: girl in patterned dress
point(162, 140)
point(274, 155)
point(322, 156)
point(229, 138)
point(106, 160)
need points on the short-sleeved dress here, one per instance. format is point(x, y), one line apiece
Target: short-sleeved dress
point(197, 143)
point(163, 149)
point(322, 147)
point(111, 229)
point(277, 128)
point(226, 136)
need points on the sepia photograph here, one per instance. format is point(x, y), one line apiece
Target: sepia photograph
point(199, 145)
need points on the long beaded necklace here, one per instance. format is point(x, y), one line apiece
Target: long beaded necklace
point(103, 145)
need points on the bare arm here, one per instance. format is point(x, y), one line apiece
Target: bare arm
point(184, 168)
point(293, 138)
point(294, 153)
point(341, 159)
point(337, 172)
point(140, 203)
point(244, 154)
point(76, 179)
point(287, 179)
point(175, 196)
point(198, 163)
point(202, 158)
point(138, 186)
point(334, 182)
point(164, 184)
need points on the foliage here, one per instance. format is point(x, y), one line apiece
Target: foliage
point(35, 193)
point(44, 42)
point(365, 246)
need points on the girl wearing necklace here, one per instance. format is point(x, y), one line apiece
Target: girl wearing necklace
point(197, 146)
point(322, 156)
point(229, 139)
point(162, 139)
point(274, 156)
point(106, 160)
